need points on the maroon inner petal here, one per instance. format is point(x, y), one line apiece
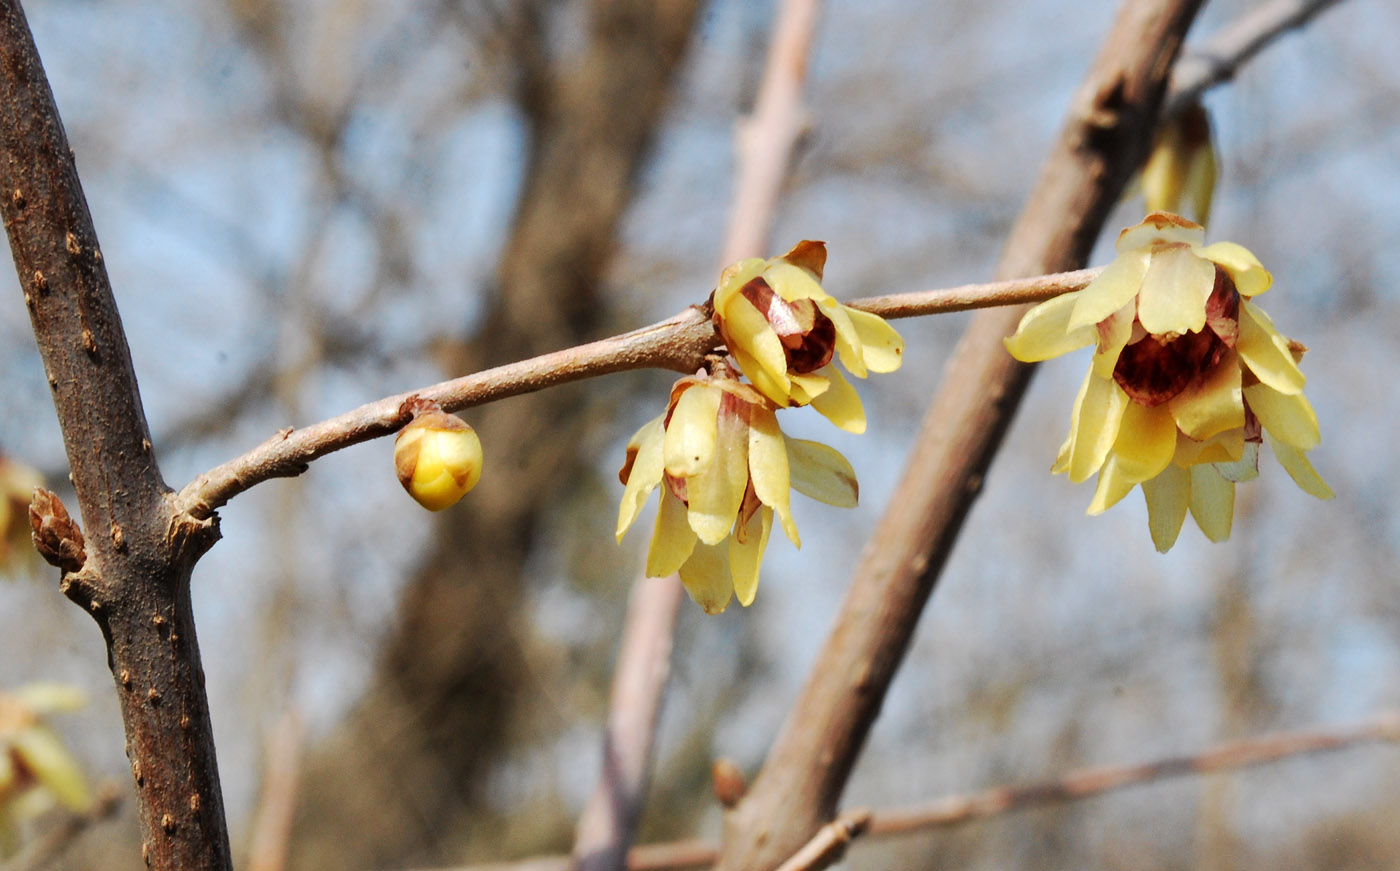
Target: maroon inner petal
point(808, 336)
point(1152, 371)
point(1223, 309)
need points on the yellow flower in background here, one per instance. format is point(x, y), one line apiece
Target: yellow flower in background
point(785, 333)
point(1188, 377)
point(1182, 165)
point(726, 470)
point(17, 483)
point(36, 769)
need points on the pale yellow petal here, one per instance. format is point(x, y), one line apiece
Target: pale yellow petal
point(1200, 181)
point(673, 540)
point(1158, 229)
point(44, 697)
point(1061, 464)
point(882, 347)
point(1212, 502)
point(1224, 447)
point(792, 282)
point(1296, 463)
point(735, 276)
point(1174, 292)
point(769, 468)
point(690, 434)
point(1095, 421)
point(848, 345)
point(746, 330)
point(647, 467)
point(1213, 403)
point(746, 556)
point(716, 491)
point(706, 577)
point(1113, 485)
point(1168, 496)
point(1290, 419)
point(805, 388)
point(1146, 442)
point(43, 753)
point(820, 471)
point(1044, 331)
point(1115, 287)
point(840, 404)
point(777, 388)
point(1266, 352)
point(1249, 275)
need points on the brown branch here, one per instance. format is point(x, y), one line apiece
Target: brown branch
point(1107, 132)
point(1073, 786)
point(1204, 67)
point(134, 580)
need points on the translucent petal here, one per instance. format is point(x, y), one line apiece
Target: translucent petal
point(1112, 487)
point(1246, 468)
point(1290, 419)
point(1225, 447)
point(881, 345)
point(769, 468)
point(1146, 442)
point(1212, 404)
point(848, 344)
point(1212, 502)
point(792, 282)
point(690, 434)
point(706, 577)
point(1168, 495)
point(735, 276)
point(1094, 423)
point(1200, 181)
point(43, 753)
point(840, 404)
point(1114, 288)
point(1266, 352)
point(1044, 331)
point(1161, 228)
point(1114, 332)
point(647, 467)
point(673, 540)
point(1061, 464)
point(820, 471)
point(1299, 469)
point(717, 490)
point(746, 329)
point(1174, 292)
point(1249, 275)
point(746, 556)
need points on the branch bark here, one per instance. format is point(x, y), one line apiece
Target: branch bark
point(1109, 127)
point(135, 569)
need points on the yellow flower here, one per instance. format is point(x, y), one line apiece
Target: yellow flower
point(17, 483)
point(727, 471)
point(36, 770)
point(437, 457)
point(1188, 377)
point(1181, 165)
point(784, 331)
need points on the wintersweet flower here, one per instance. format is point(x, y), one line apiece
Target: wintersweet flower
point(1182, 165)
point(1188, 377)
point(727, 471)
point(437, 456)
point(785, 331)
point(36, 770)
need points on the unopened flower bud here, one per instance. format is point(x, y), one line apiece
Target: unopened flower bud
point(438, 457)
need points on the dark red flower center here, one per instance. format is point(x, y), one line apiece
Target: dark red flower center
point(1156, 368)
point(808, 336)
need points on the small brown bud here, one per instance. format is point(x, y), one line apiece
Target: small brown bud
point(56, 535)
point(729, 783)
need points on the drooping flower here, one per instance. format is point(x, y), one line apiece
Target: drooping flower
point(17, 483)
point(36, 769)
point(1181, 166)
point(726, 471)
point(1189, 375)
point(785, 332)
point(437, 457)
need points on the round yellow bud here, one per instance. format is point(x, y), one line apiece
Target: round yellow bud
point(438, 459)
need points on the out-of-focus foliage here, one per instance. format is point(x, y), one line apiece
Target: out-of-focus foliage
point(300, 203)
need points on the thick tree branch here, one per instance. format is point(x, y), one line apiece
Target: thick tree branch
point(134, 576)
point(1107, 133)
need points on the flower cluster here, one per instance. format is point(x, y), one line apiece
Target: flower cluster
point(1188, 377)
point(36, 770)
point(726, 471)
point(784, 331)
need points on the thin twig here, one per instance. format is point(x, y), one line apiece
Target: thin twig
point(1204, 67)
point(830, 842)
point(1073, 786)
point(272, 826)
